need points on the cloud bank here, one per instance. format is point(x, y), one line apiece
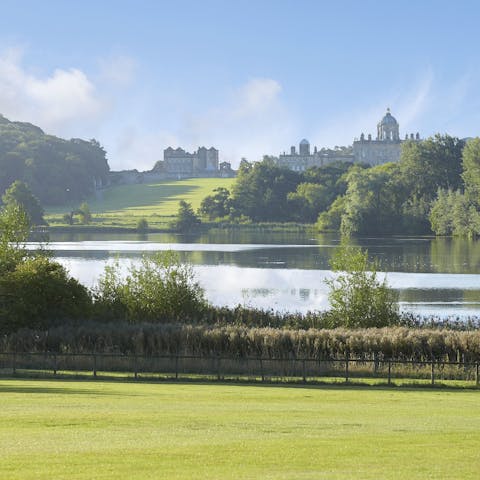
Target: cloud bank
point(56, 102)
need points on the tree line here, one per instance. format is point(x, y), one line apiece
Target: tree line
point(434, 188)
point(57, 171)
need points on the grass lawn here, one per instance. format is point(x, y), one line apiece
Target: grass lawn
point(123, 205)
point(107, 430)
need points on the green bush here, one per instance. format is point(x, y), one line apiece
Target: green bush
point(38, 293)
point(160, 289)
point(142, 225)
point(357, 297)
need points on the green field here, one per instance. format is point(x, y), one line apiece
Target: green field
point(107, 430)
point(123, 205)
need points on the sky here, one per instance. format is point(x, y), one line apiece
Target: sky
point(250, 77)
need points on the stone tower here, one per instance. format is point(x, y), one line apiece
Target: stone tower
point(304, 147)
point(387, 128)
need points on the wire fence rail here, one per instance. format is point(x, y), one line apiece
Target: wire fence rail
point(251, 369)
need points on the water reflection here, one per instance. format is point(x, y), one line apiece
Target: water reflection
point(287, 271)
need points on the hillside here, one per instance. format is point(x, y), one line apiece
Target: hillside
point(124, 205)
point(57, 171)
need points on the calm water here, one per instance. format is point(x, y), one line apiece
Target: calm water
point(287, 271)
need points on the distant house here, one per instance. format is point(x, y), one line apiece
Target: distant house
point(386, 147)
point(180, 162)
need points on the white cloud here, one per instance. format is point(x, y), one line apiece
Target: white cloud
point(56, 102)
point(117, 71)
point(252, 121)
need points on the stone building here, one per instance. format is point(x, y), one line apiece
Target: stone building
point(387, 146)
point(179, 162)
point(304, 158)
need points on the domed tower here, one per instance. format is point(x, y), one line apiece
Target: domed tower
point(387, 128)
point(304, 147)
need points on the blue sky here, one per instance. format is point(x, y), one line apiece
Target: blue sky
point(249, 77)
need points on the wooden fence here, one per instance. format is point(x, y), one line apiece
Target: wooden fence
point(251, 369)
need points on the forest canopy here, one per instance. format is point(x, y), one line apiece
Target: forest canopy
point(57, 171)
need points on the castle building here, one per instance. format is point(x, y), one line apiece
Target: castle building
point(179, 162)
point(387, 146)
point(304, 158)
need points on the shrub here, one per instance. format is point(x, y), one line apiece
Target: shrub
point(160, 289)
point(357, 297)
point(142, 225)
point(39, 293)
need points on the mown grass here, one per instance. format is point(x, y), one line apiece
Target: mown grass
point(124, 205)
point(109, 430)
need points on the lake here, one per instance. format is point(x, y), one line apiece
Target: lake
point(287, 271)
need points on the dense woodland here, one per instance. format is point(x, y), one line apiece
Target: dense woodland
point(57, 171)
point(435, 187)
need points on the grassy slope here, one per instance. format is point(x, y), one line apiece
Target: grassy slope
point(105, 430)
point(123, 205)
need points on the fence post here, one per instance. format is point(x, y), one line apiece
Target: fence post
point(218, 368)
point(433, 373)
point(176, 367)
point(303, 372)
point(135, 367)
point(14, 363)
point(94, 364)
point(261, 370)
point(347, 358)
point(389, 372)
point(54, 363)
point(477, 373)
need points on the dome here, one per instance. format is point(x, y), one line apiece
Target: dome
point(388, 119)
point(304, 142)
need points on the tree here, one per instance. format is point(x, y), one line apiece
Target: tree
point(260, 191)
point(432, 164)
point(471, 169)
point(373, 201)
point(142, 225)
point(217, 205)
point(84, 213)
point(186, 219)
point(160, 289)
point(39, 293)
point(14, 231)
point(19, 193)
point(309, 200)
point(35, 292)
point(358, 298)
point(50, 165)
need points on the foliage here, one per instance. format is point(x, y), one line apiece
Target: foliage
point(471, 170)
point(142, 225)
point(308, 200)
point(454, 213)
point(261, 190)
point(217, 205)
point(431, 164)
point(357, 297)
point(19, 193)
point(159, 289)
point(14, 231)
point(331, 219)
point(39, 293)
point(186, 220)
point(372, 200)
point(84, 213)
point(49, 165)
point(222, 338)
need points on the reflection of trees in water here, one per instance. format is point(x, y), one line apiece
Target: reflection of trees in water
point(456, 255)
